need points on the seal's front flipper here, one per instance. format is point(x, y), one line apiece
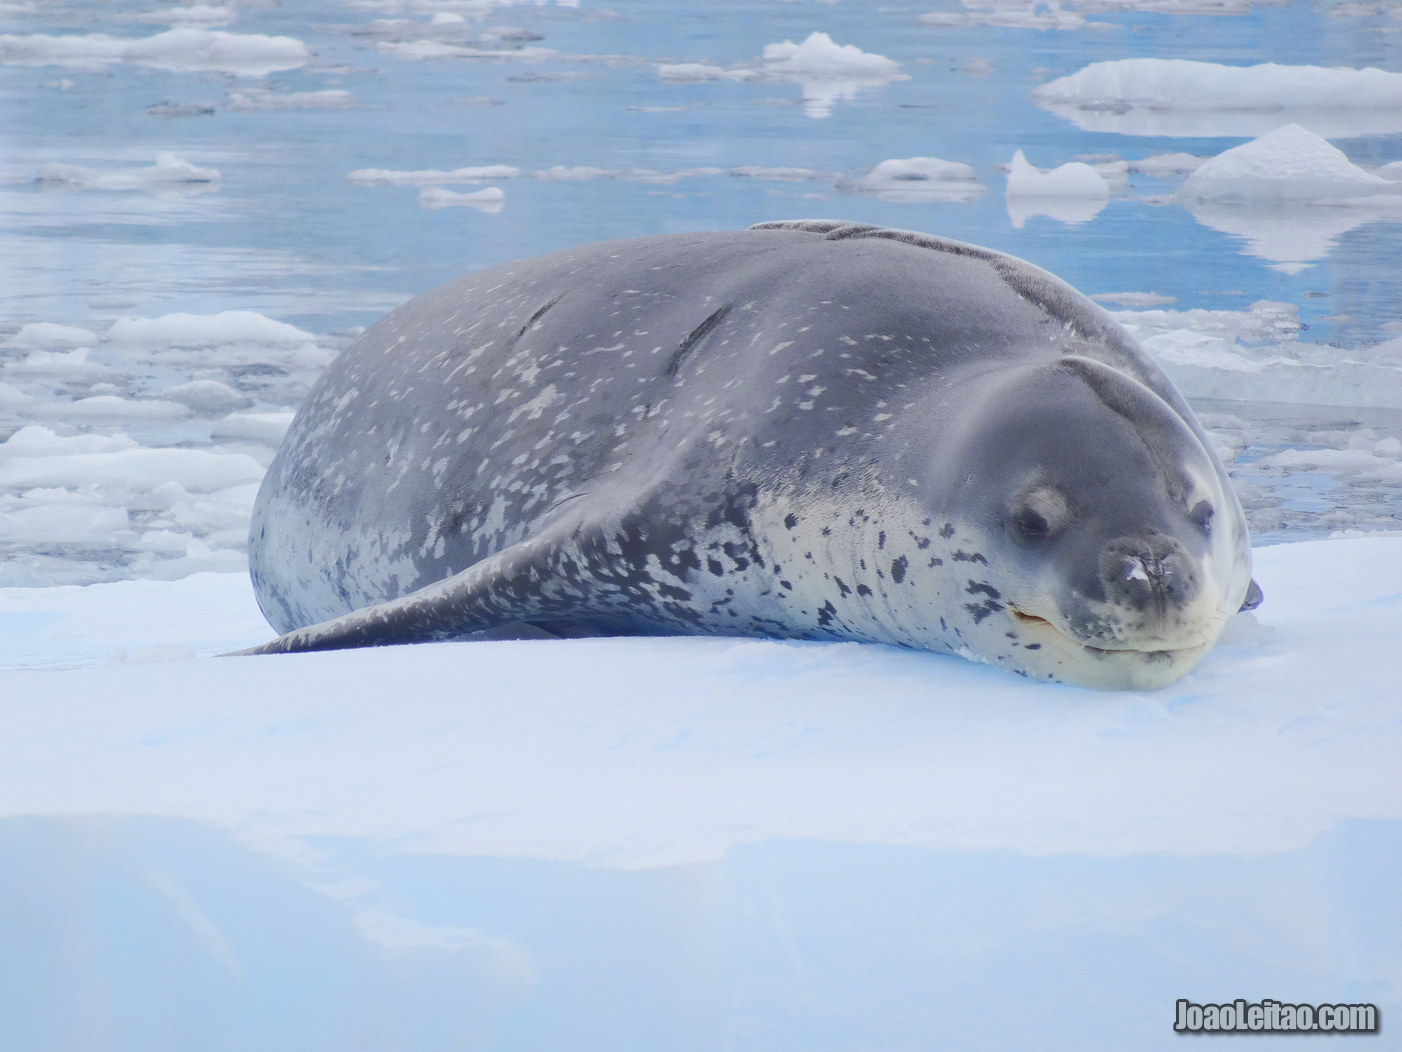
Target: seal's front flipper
point(517, 584)
point(1254, 597)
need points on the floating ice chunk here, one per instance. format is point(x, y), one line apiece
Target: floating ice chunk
point(66, 523)
point(1288, 164)
point(577, 172)
point(47, 334)
point(206, 396)
point(36, 440)
point(262, 99)
point(1075, 179)
point(432, 177)
point(922, 179)
point(1018, 14)
point(176, 110)
point(70, 365)
point(1166, 165)
point(435, 49)
point(1338, 460)
point(168, 171)
point(111, 408)
point(489, 200)
point(1158, 96)
point(11, 397)
point(1073, 193)
point(198, 470)
point(176, 50)
point(820, 56)
point(699, 72)
point(827, 71)
point(1134, 299)
point(781, 174)
point(206, 330)
point(193, 15)
point(267, 428)
point(1255, 355)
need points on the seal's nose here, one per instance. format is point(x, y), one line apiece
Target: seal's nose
point(1150, 572)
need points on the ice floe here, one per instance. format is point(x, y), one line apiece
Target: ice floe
point(828, 72)
point(48, 335)
point(1073, 192)
point(489, 200)
point(921, 179)
point(1160, 97)
point(204, 15)
point(207, 330)
point(263, 99)
point(700, 72)
point(1290, 163)
point(1288, 195)
point(1256, 356)
point(1011, 14)
point(155, 432)
point(182, 50)
point(169, 172)
point(432, 176)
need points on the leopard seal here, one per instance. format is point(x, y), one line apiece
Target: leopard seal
point(807, 430)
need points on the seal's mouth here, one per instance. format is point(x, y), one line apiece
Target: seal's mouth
point(1041, 624)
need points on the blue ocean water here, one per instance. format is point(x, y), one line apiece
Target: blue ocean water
point(287, 234)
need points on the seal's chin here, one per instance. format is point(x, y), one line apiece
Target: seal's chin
point(1133, 665)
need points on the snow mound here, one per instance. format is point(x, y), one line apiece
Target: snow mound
point(177, 50)
point(1148, 96)
point(168, 171)
point(1288, 164)
point(489, 200)
point(922, 179)
point(206, 330)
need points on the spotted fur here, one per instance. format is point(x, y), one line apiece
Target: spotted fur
point(805, 430)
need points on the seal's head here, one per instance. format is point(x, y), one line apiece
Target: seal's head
point(1121, 549)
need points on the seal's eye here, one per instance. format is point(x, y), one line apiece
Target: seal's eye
point(1201, 516)
point(1030, 525)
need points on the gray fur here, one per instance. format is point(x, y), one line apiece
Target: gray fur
point(805, 430)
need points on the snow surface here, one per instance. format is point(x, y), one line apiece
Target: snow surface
point(1162, 96)
point(688, 843)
